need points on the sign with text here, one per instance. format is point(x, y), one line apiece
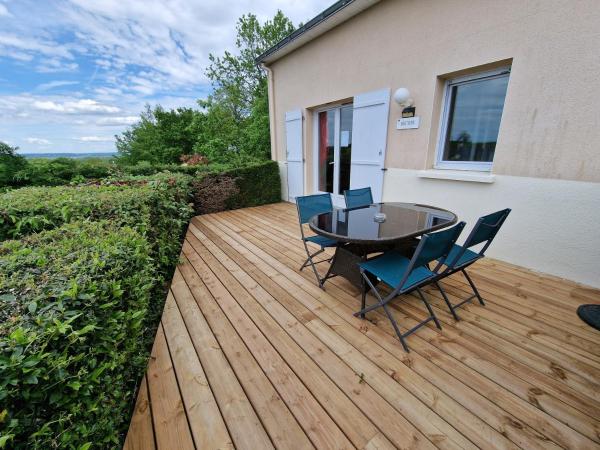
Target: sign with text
point(408, 123)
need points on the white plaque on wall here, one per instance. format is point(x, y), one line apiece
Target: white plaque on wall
point(408, 123)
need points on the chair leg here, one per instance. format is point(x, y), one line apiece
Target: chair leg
point(363, 302)
point(473, 286)
point(431, 314)
point(447, 300)
point(396, 328)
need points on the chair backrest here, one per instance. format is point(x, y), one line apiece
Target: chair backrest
point(311, 205)
point(485, 230)
point(356, 198)
point(433, 247)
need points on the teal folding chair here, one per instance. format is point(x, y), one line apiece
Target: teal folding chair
point(309, 206)
point(355, 198)
point(406, 275)
point(461, 256)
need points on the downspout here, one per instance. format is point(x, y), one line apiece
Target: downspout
point(271, 98)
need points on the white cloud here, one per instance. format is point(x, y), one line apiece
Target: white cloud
point(114, 121)
point(37, 141)
point(95, 138)
point(54, 65)
point(4, 11)
point(32, 44)
point(84, 106)
point(54, 84)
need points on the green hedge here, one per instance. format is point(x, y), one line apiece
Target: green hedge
point(63, 171)
point(158, 207)
point(73, 303)
point(253, 185)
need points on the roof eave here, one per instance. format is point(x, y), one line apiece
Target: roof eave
point(333, 16)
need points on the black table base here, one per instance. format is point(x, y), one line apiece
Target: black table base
point(347, 257)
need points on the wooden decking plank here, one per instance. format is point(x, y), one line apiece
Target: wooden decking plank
point(555, 374)
point(207, 424)
point(551, 369)
point(171, 426)
point(243, 422)
point(141, 433)
point(519, 425)
point(480, 432)
point(357, 427)
point(347, 380)
point(281, 357)
point(316, 423)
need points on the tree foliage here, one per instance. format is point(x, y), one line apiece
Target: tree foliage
point(232, 124)
point(10, 164)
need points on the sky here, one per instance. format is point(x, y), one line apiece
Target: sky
point(73, 73)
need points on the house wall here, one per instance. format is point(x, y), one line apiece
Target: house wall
point(547, 159)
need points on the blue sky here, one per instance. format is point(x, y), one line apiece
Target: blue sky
point(73, 73)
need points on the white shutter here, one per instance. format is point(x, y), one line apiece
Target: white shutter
point(369, 138)
point(295, 160)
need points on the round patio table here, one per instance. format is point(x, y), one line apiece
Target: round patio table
point(359, 234)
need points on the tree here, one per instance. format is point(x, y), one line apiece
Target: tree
point(232, 123)
point(10, 164)
point(240, 93)
point(160, 136)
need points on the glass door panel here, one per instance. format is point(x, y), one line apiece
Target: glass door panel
point(345, 148)
point(326, 150)
point(334, 151)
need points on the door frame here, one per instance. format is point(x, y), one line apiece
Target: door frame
point(337, 199)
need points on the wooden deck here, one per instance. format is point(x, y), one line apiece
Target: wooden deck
point(251, 354)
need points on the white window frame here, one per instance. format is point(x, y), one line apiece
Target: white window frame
point(338, 199)
point(462, 165)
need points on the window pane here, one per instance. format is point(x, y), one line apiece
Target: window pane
point(326, 153)
point(474, 119)
point(345, 147)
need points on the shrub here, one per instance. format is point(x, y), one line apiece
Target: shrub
point(157, 207)
point(252, 185)
point(59, 171)
point(73, 303)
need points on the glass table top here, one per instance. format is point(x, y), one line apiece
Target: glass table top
point(401, 221)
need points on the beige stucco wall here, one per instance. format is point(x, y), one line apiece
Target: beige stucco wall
point(551, 122)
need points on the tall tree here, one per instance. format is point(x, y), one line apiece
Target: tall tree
point(239, 98)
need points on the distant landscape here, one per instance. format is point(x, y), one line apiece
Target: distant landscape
point(70, 155)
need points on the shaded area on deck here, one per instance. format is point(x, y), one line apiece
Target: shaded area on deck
point(251, 354)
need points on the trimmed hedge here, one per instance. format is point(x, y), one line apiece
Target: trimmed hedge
point(158, 207)
point(73, 303)
point(82, 291)
point(253, 185)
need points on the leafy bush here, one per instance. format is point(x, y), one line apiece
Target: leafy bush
point(157, 207)
point(73, 303)
point(60, 171)
point(253, 185)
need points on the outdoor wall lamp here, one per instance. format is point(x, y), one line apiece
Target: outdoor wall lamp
point(402, 97)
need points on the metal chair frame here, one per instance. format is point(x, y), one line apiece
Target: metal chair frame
point(452, 267)
point(309, 260)
point(399, 290)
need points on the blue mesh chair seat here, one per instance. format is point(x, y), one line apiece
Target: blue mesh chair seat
point(322, 241)
point(461, 256)
point(355, 198)
point(467, 255)
point(391, 267)
point(309, 206)
point(405, 275)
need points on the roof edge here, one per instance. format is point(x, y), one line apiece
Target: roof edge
point(331, 17)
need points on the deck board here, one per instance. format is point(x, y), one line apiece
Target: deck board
point(252, 354)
